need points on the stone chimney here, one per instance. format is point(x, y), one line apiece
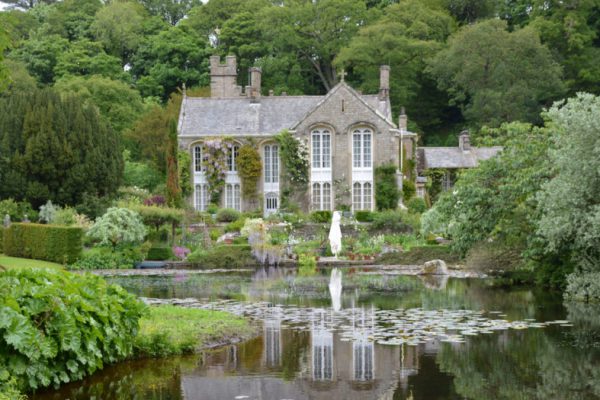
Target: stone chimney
point(464, 141)
point(255, 75)
point(223, 77)
point(384, 82)
point(402, 120)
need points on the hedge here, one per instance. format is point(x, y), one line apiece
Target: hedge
point(321, 216)
point(60, 244)
point(160, 253)
point(226, 256)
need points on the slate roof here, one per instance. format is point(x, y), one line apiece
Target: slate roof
point(454, 157)
point(270, 115)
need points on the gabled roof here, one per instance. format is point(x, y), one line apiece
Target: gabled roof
point(269, 115)
point(372, 103)
point(454, 157)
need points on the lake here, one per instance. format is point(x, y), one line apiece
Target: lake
point(396, 337)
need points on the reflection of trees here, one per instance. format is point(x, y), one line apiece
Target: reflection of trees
point(521, 365)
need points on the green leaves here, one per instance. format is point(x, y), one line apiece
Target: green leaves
point(64, 327)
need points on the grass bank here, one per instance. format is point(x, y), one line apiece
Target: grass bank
point(171, 330)
point(16, 262)
point(419, 255)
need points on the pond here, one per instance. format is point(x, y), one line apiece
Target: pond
point(396, 337)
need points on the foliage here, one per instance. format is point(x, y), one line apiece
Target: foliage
point(433, 222)
point(294, 158)
point(474, 71)
point(157, 216)
point(249, 169)
point(583, 287)
point(43, 242)
point(408, 190)
point(141, 174)
point(118, 226)
point(69, 217)
point(321, 217)
point(58, 327)
point(181, 252)
point(416, 205)
point(57, 149)
point(184, 163)
point(214, 163)
point(160, 253)
point(172, 330)
point(386, 189)
point(173, 190)
point(16, 210)
point(396, 221)
point(364, 216)
point(8, 387)
point(103, 258)
point(236, 226)
point(228, 215)
point(48, 212)
point(307, 265)
point(226, 257)
point(568, 202)
point(267, 247)
point(419, 255)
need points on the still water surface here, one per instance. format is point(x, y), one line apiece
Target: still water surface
point(310, 361)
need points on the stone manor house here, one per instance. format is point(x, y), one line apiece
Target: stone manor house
point(347, 134)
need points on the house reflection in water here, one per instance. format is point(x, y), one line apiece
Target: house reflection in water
point(272, 339)
point(321, 350)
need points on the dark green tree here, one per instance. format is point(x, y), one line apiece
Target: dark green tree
point(85, 58)
point(172, 11)
point(173, 188)
point(40, 54)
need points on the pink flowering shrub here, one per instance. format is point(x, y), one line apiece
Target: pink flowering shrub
point(181, 252)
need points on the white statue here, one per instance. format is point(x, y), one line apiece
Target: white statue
point(335, 234)
point(335, 289)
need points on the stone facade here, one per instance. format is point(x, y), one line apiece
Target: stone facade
point(348, 135)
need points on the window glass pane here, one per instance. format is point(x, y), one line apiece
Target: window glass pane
point(367, 149)
point(198, 198)
point(268, 164)
point(237, 198)
point(367, 193)
point(326, 143)
point(316, 149)
point(198, 158)
point(356, 196)
point(326, 196)
point(229, 196)
point(356, 150)
point(316, 196)
point(204, 197)
point(275, 164)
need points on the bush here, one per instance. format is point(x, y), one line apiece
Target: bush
point(408, 190)
point(59, 244)
point(160, 253)
point(17, 211)
point(364, 216)
point(583, 286)
point(58, 327)
point(157, 216)
point(396, 221)
point(416, 205)
point(228, 215)
point(235, 226)
point(104, 258)
point(386, 188)
point(321, 216)
point(226, 256)
point(117, 226)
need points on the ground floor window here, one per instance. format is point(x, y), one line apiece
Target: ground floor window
point(201, 198)
point(362, 194)
point(321, 196)
point(271, 203)
point(233, 197)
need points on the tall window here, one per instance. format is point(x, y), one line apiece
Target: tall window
point(201, 197)
point(233, 197)
point(362, 194)
point(232, 155)
point(361, 148)
point(198, 167)
point(321, 149)
point(321, 196)
point(271, 164)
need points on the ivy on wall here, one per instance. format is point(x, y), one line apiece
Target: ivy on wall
point(386, 188)
point(214, 161)
point(249, 168)
point(294, 157)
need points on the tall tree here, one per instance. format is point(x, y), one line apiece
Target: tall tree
point(27, 4)
point(173, 188)
point(469, 11)
point(40, 55)
point(171, 11)
point(84, 58)
point(497, 76)
point(4, 77)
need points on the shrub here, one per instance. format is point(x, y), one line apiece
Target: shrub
point(58, 327)
point(226, 256)
point(118, 225)
point(249, 169)
point(157, 216)
point(156, 200)
point(396, 221)
point(48, 212)
point(59, 244)
point(364, 216)
point(307, 265)
point(236, 225)
point(104, 258)
point(228, 215)
point(321, 216)
point(583, 286)
point(17, 211)
point(386, 189)
point(408, 190)
point(160, 253)
point(215, 234)
point(416, 205)
point(419, 255)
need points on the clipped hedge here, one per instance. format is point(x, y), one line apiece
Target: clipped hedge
point(227, 256)
point(419, 255)
point(364, 216)
point(60, 244)
point(58, 327)
point(159, 253)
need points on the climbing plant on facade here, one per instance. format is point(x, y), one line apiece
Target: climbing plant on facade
point(214, 161)
point(294, 157)
point(249, 169)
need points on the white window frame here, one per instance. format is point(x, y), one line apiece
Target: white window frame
point(197, 156)
point(233, 197)
point(201, 196)
point(320, 153)
point(232, 155)
point(271, 163)
point(321, 196)
point(362, 156)
point(362, 196)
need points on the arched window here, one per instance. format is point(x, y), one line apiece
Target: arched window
point(201, 197)
point(198, 167)
point(321, 196)
point(361, 148)
point(321, 149)
point(271, 167)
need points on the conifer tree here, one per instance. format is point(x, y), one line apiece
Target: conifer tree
point(173, 188)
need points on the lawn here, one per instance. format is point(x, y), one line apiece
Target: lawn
point(169, 330)
point(15, 262)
